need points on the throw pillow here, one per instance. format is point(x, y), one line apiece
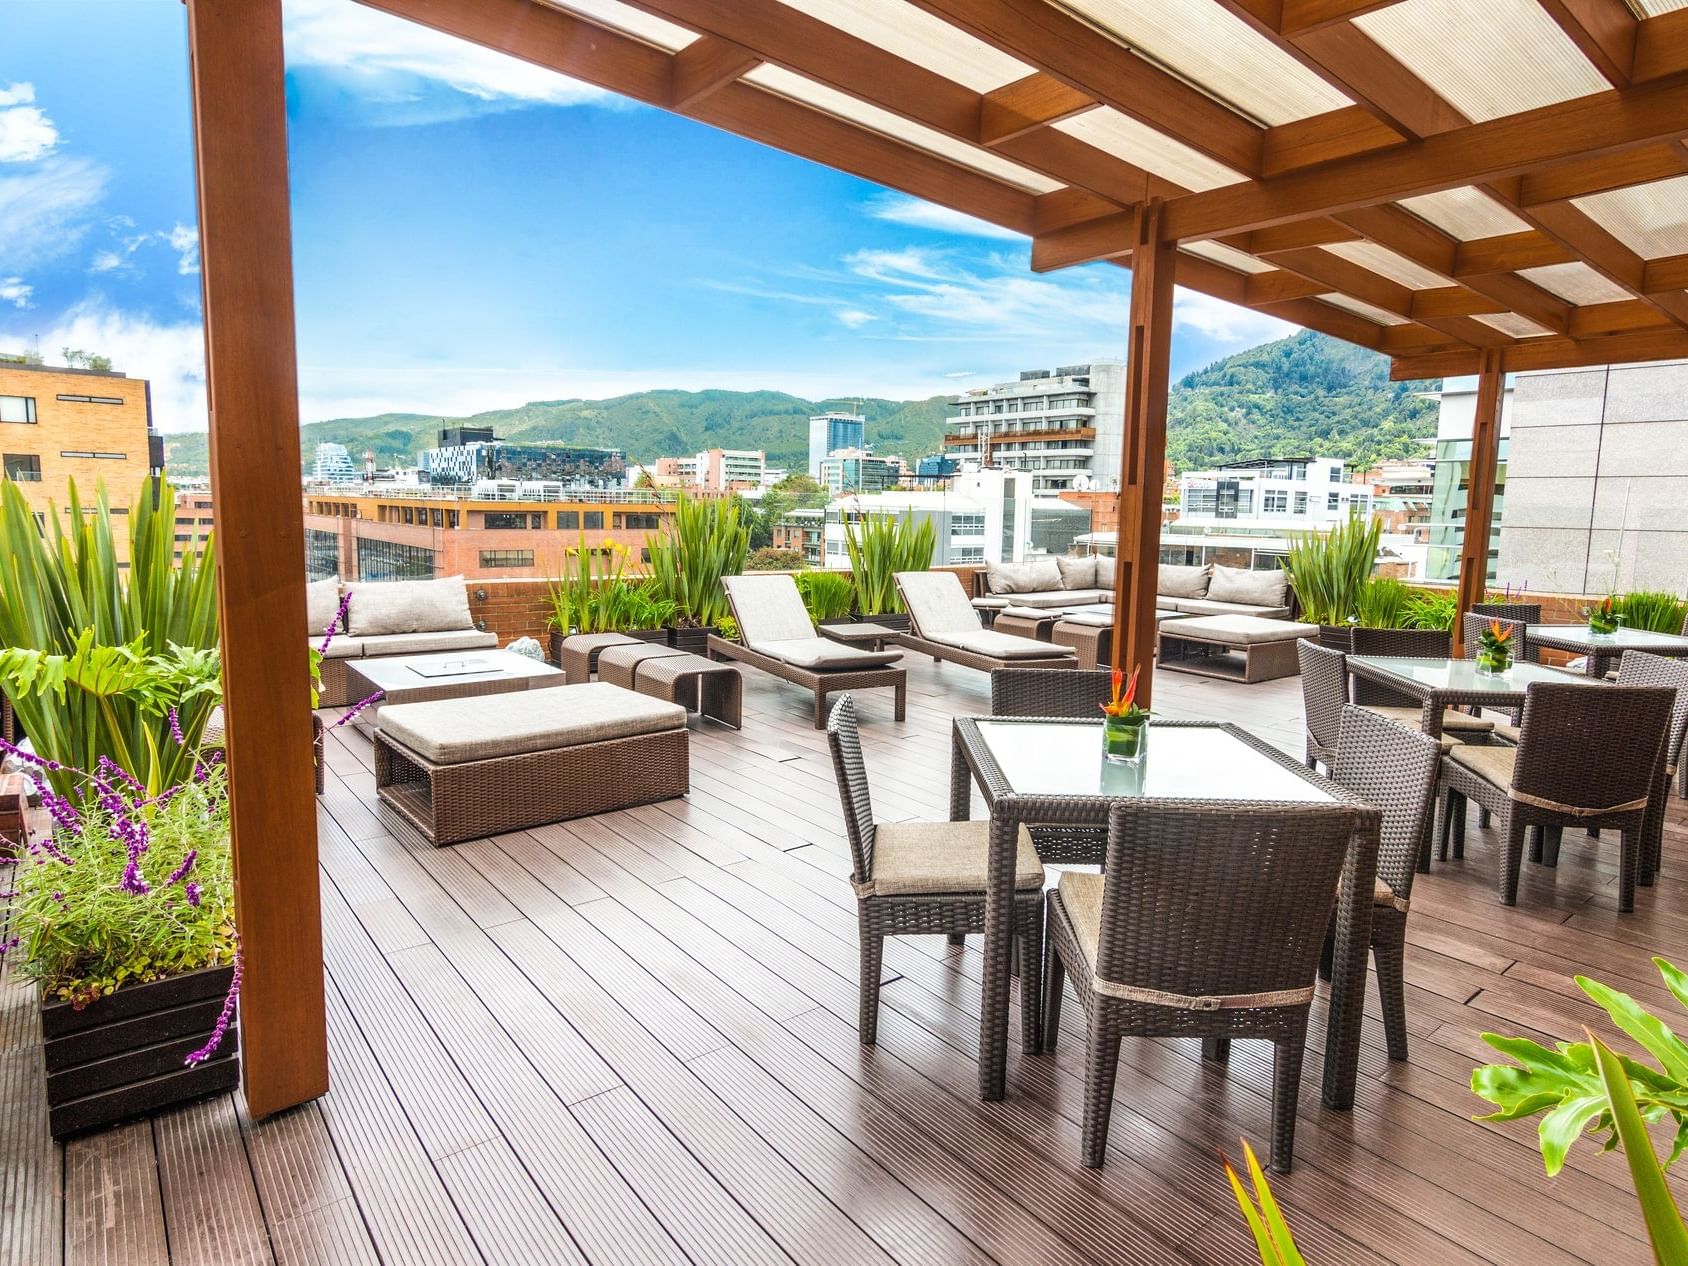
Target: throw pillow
point(1077, 573)
point(1183, 582)
point(322, 600)
point(1253, 588)
point(1039, 575)
point(409, 606)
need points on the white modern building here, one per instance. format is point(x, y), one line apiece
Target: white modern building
point(831, 432)
point(1271, 496)
point(1063, 427)
point(723, 469)
point(334, 465)
point(851, 470)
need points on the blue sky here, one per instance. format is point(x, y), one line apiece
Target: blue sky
point(471, 232)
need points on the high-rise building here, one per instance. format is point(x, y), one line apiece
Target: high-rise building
point(729, 469)
point(89, 426)
point(334, 464)
point(851, 470)
point(481, 456)
point(1064, 426)
point(830, 432)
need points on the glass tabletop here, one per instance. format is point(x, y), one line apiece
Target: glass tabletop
point(1624, 639)
point(1184, 762)
point(1462, 674)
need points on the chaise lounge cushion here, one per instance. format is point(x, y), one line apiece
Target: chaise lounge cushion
point(1037, 575)
point(1003, 645)
point(427, 643)
point(929, 857)
point(1182, 582)
point(483, 727)
point(409, 606)
point(1060, 598)
point(821, 655)
point(769, 609)
point(322, 601)
point(1206, 606)
point(937, 603)
point(1240, 630)
point(1077, 573)
point(1250, 587)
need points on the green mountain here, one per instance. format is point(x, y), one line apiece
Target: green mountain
point(1305, 395)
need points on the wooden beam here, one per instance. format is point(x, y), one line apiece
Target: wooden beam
point(1580, 177)
point(1480, 486)
point(1109, 237)
point(1662, 343)
point(1604, 32)
point(1661, 45)
point(1028, 105)
point(246, 280)
point(1508, 253)
point(1667, 273)
point(1322, 138)
point(1579, 233)
point(707, 65)
point(1143, 452)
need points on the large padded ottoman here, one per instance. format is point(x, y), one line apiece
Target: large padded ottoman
point(460, 769)
point(1234, 647)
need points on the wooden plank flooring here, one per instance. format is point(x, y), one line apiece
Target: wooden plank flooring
point(631, 1039)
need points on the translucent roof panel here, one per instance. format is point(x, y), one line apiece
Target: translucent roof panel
point(916, 36)
point(1139, 144)
point(1513, 324)
point(630, 21)
point(1386, 263)
point(1575, 283)
point(1488, 57)
point(833, 102)
point(1363, 309)
point(1205, 45)
point(1650, 219)
point(1465, 213)
point(1229, 256)
point(1653, 8)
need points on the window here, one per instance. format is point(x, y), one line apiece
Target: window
point(1333, 499)
point(638, 522)
point(322, 554)
point(594, 520)
point(409, 516)
point(568, 520)
point(1301, 503)
point(519, 519)
point(24, 467)
point(1276, 501)
point(439, 518)
point(506, 558)
point(17, 409)
point(390, 560)
point(91, 399)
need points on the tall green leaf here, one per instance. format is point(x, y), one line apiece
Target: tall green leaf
point(1658, 1206)
point(706, 540)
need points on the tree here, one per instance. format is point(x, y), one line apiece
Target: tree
point(76, 358)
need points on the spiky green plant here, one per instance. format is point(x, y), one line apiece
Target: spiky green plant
point(827, 594)
point(1384, 603)
point(1330, 570)
point(590, 596)
point(1266, 1222)
point(63, 593)
point(880, 546)
point(705, 540)
point(1433, 609)
point(1652, 610)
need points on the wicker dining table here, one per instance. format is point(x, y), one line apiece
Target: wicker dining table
point(1439, 684)
point(1602, 648)
point(1052, 772)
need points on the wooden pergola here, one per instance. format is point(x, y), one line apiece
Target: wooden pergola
point(1467, 186)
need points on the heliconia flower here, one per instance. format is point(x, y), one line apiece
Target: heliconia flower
point(180, 873)
point(1500, 632)
point(176, 728)
point(223, 1020)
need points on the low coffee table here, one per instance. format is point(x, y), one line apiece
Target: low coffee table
point(452, 675)
point(875, 637)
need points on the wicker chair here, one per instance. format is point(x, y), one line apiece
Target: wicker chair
point(923, 878)
point(1474, 624)
point(1394, 768)
point(1057, 692)
point(1324, 694)
point(1205, 925)
point(1563, 774)
point(1416, 644)
point(1637, 668)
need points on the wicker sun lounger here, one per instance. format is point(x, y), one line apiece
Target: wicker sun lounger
point(779, 638)
point(946, 627)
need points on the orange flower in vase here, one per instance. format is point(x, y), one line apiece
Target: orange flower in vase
point(1125, 725)
point(1494, 648)
point(1603, 617)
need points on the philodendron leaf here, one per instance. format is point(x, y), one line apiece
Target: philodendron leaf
point(1675, 980)
point(1642, 1025)
point(1664, 1221)
point(1560, 1128)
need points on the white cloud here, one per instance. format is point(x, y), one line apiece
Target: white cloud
point(44, 212)
point(386, 58)
point(942, 297)
point(901, 209)
point(15, 292)
point(172, 357)
point(1225, 322)
point(854, 318)
point(26, 133)
point(184, 240)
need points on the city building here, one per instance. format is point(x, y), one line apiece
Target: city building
point(675, 472)
point(830, 432)
point(802, 532)
point(730, 469)
point(334, 465)
point(1061, 426)
point(194, 521)
point(936, 468)
point(468, 454)
point(851, 470)
point(490, 529)
point(90, 427)
point(1594, 465)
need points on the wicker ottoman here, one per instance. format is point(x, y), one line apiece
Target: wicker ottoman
point(1090, 634)
point(1234, 647)
point(618, 664)
point(577, 654)
point(696, 683)
point(461, 769)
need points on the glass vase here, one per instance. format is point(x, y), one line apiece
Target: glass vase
point(1493, 663)
point(1125, 740)
point(1602, 625)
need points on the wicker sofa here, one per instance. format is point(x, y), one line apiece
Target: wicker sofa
point(1075, 582)
point(387, 617)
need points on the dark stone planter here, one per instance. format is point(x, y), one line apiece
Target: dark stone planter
point(121, 1055)
point(695, 640)
point(658, 636)
point(556, 649)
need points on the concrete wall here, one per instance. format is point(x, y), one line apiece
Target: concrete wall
point(1597, 480)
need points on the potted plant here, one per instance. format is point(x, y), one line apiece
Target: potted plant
point(880, 546)
point(590, 597)
point(1125, 725)
point(1330, 571)
point(647, 613)
point(1603, 616)
point(1652, 610)
point(705, 540)
point(828, 595)
point(1494, 649)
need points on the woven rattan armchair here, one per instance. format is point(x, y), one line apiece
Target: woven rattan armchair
point(1392, 767)
point(923, 878)
point(1206, 925)
point(1324, 694)
point(1057, 692)
point(1413, 644)
point(1586, 756)
point(1637, 668)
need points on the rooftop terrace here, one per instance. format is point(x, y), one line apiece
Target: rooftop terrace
point(631, 1038)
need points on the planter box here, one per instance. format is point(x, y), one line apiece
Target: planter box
point(1337, 637)
point(694, 640)
point(121, 1055)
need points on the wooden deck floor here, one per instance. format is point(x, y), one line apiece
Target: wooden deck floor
point(631, 1039)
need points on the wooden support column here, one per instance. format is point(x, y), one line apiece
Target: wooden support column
point(246, 271)
point(1143, 449)
point(1480, 485)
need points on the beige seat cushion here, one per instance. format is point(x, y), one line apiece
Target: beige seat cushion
point(1183, 582)
point(428, 643)
point(768, 609)
point(1244, 584)
point(932, 857)
point(1003, 645)
point(452, 731)
point(408, 606)
point(936, 602)
point(322, 601)
point(1059, 598)
point(1242, 630)
point(342, 647)
point(1452, 721)
point(822, 655)
point(1508, 733)
point(1206, 606)
point(1491, 762)
point(1092, 619)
